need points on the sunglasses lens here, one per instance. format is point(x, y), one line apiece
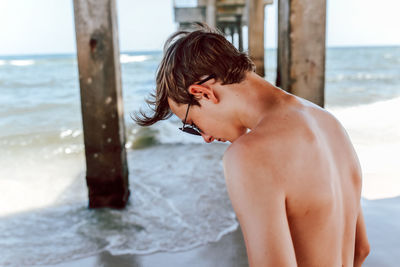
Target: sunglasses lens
point(190, 130)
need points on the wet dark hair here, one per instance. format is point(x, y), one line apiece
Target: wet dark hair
point(188, 56)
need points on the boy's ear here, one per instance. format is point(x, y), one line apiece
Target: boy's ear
point(202, 92)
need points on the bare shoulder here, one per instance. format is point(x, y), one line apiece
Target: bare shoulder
point(253, 159)
point(283, 145)
point(241, 154)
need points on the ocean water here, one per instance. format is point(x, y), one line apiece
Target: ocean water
point(179, 199)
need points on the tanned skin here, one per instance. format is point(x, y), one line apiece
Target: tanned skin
point(292, 174)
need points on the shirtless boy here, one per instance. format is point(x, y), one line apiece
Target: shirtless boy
point(292, 174)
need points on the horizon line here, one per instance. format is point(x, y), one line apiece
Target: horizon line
point(71, 53)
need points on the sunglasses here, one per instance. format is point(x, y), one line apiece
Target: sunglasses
point(192, 128)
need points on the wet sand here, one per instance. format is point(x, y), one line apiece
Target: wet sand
point(381, 216)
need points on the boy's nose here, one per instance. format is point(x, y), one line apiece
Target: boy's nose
point(207, 138)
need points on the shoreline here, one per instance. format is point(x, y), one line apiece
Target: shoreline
point(227, 252)
point(230, 250)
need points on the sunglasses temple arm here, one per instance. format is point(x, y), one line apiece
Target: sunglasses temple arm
point(187, 112)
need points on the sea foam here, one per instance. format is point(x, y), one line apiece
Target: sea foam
point(25, 62)
point(125, 58)
point(375, 132)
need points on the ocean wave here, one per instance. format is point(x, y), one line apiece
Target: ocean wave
point(70, 132)
point(164, 132)
point(369, 122)
point(375, 133)
point(49, 83)
point(70, 140)
point(125, 58)
point(378, 107)
point(360, 76)
point(51, 143)
point(22, 62)
point(39, 108)
point(2, 62)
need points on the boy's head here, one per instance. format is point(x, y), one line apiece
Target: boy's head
point(189, 58)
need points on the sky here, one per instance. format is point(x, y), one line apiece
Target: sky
point(47, 26)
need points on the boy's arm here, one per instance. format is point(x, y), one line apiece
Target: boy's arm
point(259, 203)
point(362, 248)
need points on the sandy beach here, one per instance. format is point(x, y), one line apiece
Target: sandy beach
point(382, 218)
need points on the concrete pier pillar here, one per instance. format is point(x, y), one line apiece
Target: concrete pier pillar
point(101, 102)
point(255, 18)
point(301, 48)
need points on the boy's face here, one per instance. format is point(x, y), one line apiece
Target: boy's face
point(194, 117)
point(209, 118)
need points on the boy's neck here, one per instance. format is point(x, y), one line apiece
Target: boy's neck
point(255, 99)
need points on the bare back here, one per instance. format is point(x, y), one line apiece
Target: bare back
point(324, 195)
point(311, 151)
